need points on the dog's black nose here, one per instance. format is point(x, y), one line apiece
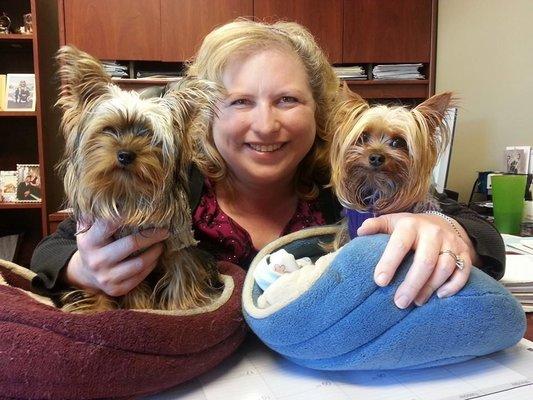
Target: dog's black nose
point(125, 157)
point(376, 160)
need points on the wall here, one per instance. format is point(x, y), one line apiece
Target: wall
point(485, 55)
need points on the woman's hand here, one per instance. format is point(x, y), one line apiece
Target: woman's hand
point(432, 270)
point(103, 264)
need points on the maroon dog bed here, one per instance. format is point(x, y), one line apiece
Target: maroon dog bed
point(46, 353)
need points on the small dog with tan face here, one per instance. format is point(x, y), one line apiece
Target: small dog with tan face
point(382, 157)
point(126, 160)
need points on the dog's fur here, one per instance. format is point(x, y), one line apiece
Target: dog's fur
point(382, 157)
point(126, 160)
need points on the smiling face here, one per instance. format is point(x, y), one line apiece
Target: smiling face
point(266, 124)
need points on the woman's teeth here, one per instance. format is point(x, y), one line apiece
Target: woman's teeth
point(265, 148)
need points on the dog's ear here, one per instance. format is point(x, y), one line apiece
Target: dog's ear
point(348, 106)
point(193, 103)
point(346, 94)
point(82, 78)
point(429, 116)
point(434, 109)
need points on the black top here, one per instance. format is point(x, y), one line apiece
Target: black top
point(54, 252)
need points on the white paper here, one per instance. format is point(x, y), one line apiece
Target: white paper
point(256, 373)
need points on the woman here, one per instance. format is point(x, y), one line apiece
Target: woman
point(263, 162)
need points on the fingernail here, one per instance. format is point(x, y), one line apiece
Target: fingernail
point(402, 301)
point(423, 298)
point(443, 293)
point(382, 279)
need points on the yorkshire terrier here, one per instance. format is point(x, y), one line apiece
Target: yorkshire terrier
point(382, 157)
point(126, 160)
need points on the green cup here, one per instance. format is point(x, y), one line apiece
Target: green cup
point(508, 201)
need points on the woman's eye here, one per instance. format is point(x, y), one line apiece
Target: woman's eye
point(240, 102)
point(288, 99)
point(398, 143)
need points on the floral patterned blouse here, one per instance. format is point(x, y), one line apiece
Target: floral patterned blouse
point(227, 240)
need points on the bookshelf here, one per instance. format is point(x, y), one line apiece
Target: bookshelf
point(21, 139)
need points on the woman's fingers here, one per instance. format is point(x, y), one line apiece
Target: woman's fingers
point(400, 243)
point(444, 268)
point(458, 279)
point(424, 262)
point(124, 276)
point(98, 235)
point(434, 268)
point(122, 248)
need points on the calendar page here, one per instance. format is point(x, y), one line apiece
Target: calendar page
point(257, 373)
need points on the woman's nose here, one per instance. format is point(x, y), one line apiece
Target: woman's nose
point(266, 119)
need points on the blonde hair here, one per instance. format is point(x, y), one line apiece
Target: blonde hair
point(242, 38)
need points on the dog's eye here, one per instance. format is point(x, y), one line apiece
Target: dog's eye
point(109, 130)
point(398, 143)
point(364, 138)
point(143, 132)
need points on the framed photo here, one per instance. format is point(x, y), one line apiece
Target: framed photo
point(28, 183)
point(8, 186)
point(20, 92)
point(517, 159)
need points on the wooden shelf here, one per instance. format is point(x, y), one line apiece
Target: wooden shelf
point(15, 37)
point(21, 137)
point(388, 82)
point(391, 89)
point(146, 81)
point(17, 114)
point(13, 206)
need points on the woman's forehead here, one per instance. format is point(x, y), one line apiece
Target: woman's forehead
point(282, 66)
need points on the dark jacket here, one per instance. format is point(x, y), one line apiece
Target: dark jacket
point(55, 251)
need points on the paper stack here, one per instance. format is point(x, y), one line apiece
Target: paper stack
point(397, 71)
point(518, 276)
point(115, 69)
point(355, 72)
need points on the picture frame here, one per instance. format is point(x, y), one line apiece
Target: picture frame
point(517, 159)
point(28, 183)
point(8, 186)
point(20, 92)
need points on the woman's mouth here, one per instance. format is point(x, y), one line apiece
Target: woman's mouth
point(265, 148)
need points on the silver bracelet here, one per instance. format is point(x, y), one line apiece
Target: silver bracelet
point(451, 221)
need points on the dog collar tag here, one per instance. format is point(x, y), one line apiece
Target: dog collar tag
point(356, 219)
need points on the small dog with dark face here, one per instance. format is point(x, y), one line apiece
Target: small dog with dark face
point(126, 160)
point(382, 157)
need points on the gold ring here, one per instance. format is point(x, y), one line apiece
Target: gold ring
point(459, 261)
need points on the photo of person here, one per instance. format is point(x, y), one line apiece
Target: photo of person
point(20, 92)
point(28, 183)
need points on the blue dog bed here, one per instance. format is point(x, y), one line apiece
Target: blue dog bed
point(344, 321)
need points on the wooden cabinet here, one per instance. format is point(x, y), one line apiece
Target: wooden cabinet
point(114, 29)
point(323, 18)
point(21, 136)
point(385, 31)
point(365, 32)
point(350, 31)
point(184, 23)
